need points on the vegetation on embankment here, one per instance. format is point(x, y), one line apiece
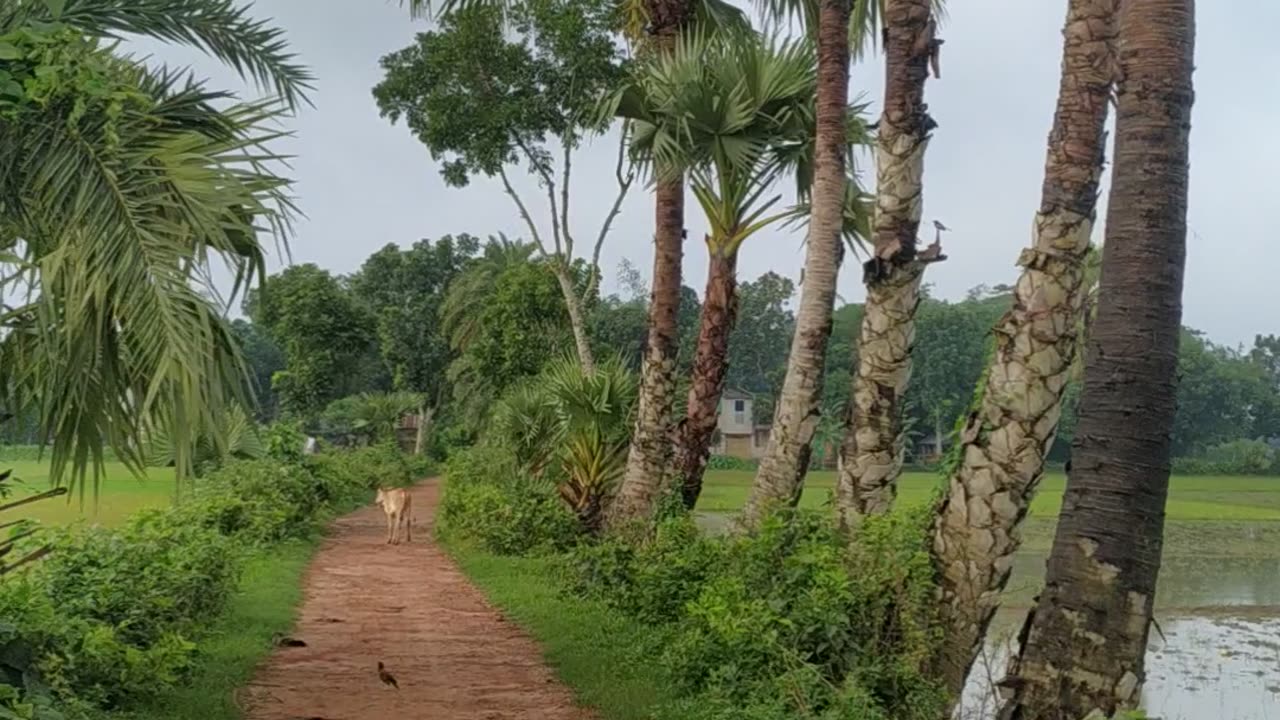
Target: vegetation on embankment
point(233, 647)
point(791, 622)
point(120, 619)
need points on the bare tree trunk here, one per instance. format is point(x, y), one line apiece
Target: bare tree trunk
point(873, 444)
point(1086, 639)
point(649, 457)
point(577, 322)
point(786, 460)
point(1007, 437)
point(710, 366)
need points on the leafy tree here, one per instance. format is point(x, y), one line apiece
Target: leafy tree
point(405, 289)
point(325, 333)
point(264, 359)
point(506, 320)
point(119, 186)
point(760, 341)
point(490, 90)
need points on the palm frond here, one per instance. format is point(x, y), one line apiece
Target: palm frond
point(253, 48)
point(116, 215)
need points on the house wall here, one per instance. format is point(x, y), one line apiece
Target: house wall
point(734, 422)
point(739, 446)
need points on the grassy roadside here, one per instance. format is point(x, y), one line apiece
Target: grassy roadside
point(269, 593)
point(603, 656)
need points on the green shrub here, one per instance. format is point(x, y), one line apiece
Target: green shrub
point(653, 581)
point(729, 462)
point(488, 500)
point(106, 619)
point(111, 615)
point(799, 623)
point(369, 468)
point(1237, 457)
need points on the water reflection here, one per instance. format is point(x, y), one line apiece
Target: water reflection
point(1204, 668)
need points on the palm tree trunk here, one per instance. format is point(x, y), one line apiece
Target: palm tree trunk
point(710, 366)
point(1087, 636)
point(1009, 433)
point(649, 455)
point(786, 460)
point(576, 320)
point(873, 445)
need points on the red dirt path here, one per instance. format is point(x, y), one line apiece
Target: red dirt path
point(410, 607)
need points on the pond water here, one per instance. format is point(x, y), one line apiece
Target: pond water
point(1218, 657)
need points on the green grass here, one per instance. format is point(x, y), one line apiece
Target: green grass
point(1191, 498)
point(604, 656)
point(120, 494)
point(265, 604)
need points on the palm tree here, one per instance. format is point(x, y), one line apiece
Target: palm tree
point(735, 115)
point(1011, 428)
point(654, 26)
point(1083, 650)
point(872, 450)
point(119, 184)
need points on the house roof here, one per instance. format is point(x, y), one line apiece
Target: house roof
point(732, 394)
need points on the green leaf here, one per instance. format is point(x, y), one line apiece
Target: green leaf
point(55, 8)
point(9, 51)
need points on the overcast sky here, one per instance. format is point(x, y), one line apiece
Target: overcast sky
point(363, 183)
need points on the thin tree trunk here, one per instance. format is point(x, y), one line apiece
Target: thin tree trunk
point(1087, 636)
point(786, 460)
point(710, 366)
point(649, 456)
point(1007, 437)
point(577, 322)
point(873, 445)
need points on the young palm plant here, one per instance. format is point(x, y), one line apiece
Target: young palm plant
point(572, 427)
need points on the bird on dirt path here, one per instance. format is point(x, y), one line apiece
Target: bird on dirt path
point(386, 677)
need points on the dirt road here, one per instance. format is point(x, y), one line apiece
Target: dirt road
point(409, 607)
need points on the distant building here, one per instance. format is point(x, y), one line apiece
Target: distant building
point(737, 434)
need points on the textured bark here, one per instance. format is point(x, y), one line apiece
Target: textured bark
point(872, 449)
point(1007, 436)
point(782, 469)
point(649, 456)
point(1086, 638)
point(710, 366)
point(576, 321)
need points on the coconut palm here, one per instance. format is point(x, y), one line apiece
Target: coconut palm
point(119, 187)
point(1003, 446)
point(1086, 640)
point(736, 115)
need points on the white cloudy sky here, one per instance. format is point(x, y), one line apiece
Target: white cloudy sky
point(363, 183)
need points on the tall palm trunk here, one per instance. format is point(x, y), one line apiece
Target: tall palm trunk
point(1008, 434)
point(786, 459)
point(710, 366)
point(871, 453)
point(1087, 636)
point(649, 456)
point(573, 303)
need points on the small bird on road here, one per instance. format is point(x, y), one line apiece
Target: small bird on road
point(386, 677)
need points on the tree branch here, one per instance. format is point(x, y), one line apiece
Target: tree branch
point(564, 199)
point(625, 179)
point(549, 180)
point(524, 211)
